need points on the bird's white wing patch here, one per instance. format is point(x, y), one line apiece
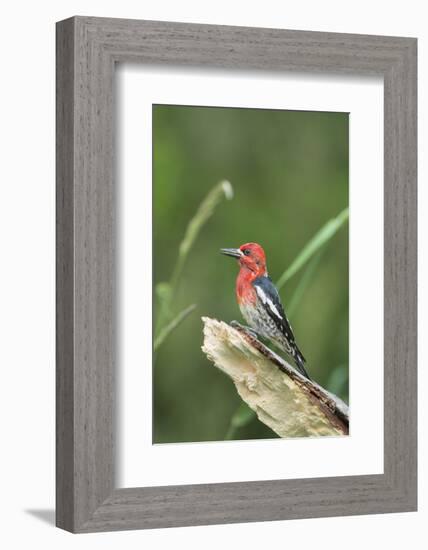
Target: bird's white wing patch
point(267, 301)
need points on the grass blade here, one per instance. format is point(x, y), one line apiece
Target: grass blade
point(206, 209)
point(166, 331)
point(303, 283)
point(318, 240)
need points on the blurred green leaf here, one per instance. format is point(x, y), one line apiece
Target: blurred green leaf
point(317, 241)
point(303, 284)
point(163, 295)
point(163, 291)
point(338, 380)
point(242, 416)
point(166, 331)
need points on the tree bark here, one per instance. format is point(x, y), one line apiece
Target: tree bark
point(283, 399)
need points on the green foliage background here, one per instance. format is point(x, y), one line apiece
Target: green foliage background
point(289, 172)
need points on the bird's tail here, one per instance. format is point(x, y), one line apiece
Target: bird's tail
point(300, 363)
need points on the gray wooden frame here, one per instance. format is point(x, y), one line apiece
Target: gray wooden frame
point(87, 50)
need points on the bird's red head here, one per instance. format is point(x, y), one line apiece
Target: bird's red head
point(250, 256)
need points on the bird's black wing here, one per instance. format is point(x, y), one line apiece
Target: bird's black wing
point(268, 294)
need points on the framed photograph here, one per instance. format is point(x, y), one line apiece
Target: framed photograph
point(236, 274)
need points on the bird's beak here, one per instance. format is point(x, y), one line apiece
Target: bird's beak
point(234, 252)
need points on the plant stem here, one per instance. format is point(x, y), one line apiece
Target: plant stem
point(205, 210)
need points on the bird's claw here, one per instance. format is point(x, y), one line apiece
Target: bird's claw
point(244, 328)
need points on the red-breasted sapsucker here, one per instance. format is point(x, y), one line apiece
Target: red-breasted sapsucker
point(259, 301)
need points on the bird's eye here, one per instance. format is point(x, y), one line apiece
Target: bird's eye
point(246, 252)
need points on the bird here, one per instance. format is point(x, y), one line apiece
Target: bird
point(260, 304)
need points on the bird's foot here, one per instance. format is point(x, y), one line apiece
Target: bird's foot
point(244, 328)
